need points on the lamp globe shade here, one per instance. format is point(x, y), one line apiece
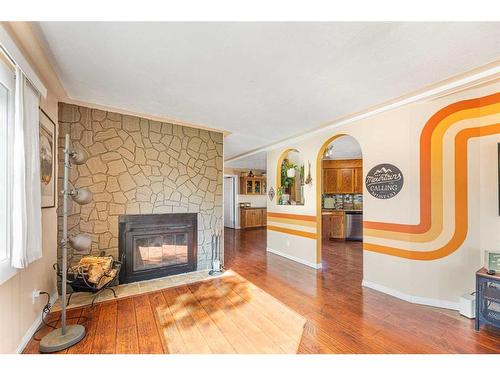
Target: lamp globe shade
point(82, 196)
point(79, 156)
point(81, 242)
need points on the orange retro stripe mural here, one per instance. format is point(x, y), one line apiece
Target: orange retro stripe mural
point(482, 113)
point(297, 225)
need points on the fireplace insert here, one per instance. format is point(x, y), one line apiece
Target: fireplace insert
point(157, 245)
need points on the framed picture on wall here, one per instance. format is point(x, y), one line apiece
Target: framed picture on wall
point(47, 160)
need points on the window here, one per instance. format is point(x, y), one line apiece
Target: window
point(7, 87)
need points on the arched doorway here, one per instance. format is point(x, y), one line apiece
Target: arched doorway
point(339, 197)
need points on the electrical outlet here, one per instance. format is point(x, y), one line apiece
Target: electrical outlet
point(35, 295)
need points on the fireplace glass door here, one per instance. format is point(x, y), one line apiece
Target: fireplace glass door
point(157, 245)
point(160, 251)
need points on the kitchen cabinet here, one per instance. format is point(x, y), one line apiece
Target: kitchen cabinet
point(342, 176)
point(346, 180)
point(333, 225)
point(253, 217)
point(253, 185)
point(325, 227)
point(358, 180)
point(330, 180)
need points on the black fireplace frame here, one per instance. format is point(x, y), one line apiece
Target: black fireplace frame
point(155, 224)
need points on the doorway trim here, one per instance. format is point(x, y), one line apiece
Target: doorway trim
point(319, 184)
point(234, 178)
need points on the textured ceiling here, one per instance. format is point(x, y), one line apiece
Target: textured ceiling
point(254, 161)
point(261, 81)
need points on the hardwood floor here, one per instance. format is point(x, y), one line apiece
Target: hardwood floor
point(344, 317)
point(328, 312)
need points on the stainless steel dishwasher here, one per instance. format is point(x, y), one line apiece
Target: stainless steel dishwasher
point(354, 226)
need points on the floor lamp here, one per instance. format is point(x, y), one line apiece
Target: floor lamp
point(68, 335)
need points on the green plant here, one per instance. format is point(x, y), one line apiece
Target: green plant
point(286, 181)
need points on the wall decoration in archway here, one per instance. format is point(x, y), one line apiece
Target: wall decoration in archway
point(290, 178)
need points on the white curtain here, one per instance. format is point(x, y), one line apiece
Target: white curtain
point(26, 197)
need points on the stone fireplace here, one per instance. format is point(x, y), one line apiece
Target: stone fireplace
point(139, 166)
point(153, 246)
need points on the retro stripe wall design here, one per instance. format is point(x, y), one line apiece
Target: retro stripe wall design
point(292, 235)
point(298, 225)
point(455, 125)
point(429, 239)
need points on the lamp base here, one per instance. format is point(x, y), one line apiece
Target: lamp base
point(55, 340)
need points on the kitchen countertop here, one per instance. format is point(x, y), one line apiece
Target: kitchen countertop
point(326, 211)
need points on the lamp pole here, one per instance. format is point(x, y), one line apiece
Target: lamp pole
point(66, 336)
point(64, 241)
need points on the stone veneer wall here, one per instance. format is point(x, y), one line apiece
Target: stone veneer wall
point(140, 166)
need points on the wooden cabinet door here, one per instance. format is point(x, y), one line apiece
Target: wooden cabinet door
point(253, 218)
point(358, 177)
point(346, 180)
point(250, 218)
point(249, 186)
point(330, 180)
point(252, 185)
point(325, 227)
point(257, 186)
point(257, 218)
point(243, 218)
point(337, 225)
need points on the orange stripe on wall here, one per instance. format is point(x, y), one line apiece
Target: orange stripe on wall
point(461, 191)
point(292, 216)
point(293, 231)
point(302, 223)
point(425, 166)
point(485, 115)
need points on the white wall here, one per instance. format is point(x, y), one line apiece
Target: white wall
point(393, 137)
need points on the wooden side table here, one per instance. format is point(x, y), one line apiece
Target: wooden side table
point(487, 297)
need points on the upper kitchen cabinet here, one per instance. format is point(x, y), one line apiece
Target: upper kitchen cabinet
point(358, 180)
point(255, 185)
point(342, 176)
point(330, 180)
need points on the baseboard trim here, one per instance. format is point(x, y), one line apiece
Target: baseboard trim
point(295, 259)
point(31, 331)
point(412, 299)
